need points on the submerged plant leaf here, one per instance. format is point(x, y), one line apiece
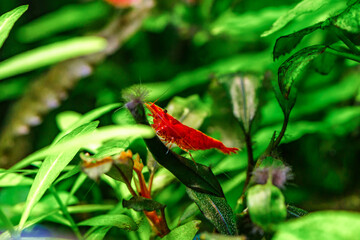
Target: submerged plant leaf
point(122, 169)
point(113, 220)
point(266, 205)
point(50, 54)
point(295, 212)
point(139, 204)
point(290, 71)
point(303, 7)
point(244, 99)
point(51, 168)
point(216, 210)
point(8, 20)
point(186, 231)
point(287, 43)
point(330, 225)
point(349, 20)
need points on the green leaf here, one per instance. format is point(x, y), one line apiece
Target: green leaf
point(14, 179)
point(244, 100)
point(51, 168)
point(214, 236)
point(139, 204)
point(305, 6)
point(98, 233)
point(349, 20)
point(266, 205)
point(117, 220)
point(191, 211)
point(184, 232)
point(65, 119)
point(196, 176)
point(216, 210)
point(287, 43)
point(8, 20)
point(290, 70)
point(330, 225)
point(295, 212)
point(66, 18)
point(50, 54)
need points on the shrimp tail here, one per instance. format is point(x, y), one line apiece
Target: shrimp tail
point(227, 150)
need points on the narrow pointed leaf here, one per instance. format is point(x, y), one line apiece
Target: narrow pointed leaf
point(216, 210)
point(51, 168)
point(8, 20)
point(50, 54)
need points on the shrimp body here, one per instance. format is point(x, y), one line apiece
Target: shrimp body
point(174, 132)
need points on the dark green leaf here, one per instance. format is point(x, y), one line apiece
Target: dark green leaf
point(142, 204)
point(287, 43)
point(291, 70)
point(193, 175)
point(330, 225)
point(266, 205)
point(191, 211)
point(216, 210)
point(324, 63)
point(8, 20)
point(295, 212)
point(116, 220)
point(184, 232)
point(122, 170)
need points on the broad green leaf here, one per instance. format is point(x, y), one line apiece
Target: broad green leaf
point(244, 100)
point(8, 20)
point(139, 204)
point(216, 210)
point(14, 179)
point(330, 225)
point(266, 205)
point(184, 232)
point(291, 70)
point(65, 119)
point(191, 211)
point(116, 220)
point(50, 54)
point(287, 43)
point(304, 7)
point(66, 18)
point(349, 20)
point(51, 168)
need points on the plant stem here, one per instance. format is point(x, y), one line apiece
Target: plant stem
point(346, 40)
point(343, 54)
point(251, 164)
point(66, 213)
point(127, 182)
point(281, 134)
point(151, 179)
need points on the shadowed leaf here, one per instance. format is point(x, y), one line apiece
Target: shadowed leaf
point(142, 204)
point(216, 210)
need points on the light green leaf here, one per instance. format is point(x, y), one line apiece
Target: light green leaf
point(116, 220)
point(51, 168)
point(90, 208)
point(98, 233)
point(14, 179)
point(305, 6)
point(66, 18)
point(8, 20)
point(329, 225)
point(65, 119)
point(349, 20)
point(184, 232)
point(50, 54)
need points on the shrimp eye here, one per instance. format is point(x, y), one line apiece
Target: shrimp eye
point(165, 111)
